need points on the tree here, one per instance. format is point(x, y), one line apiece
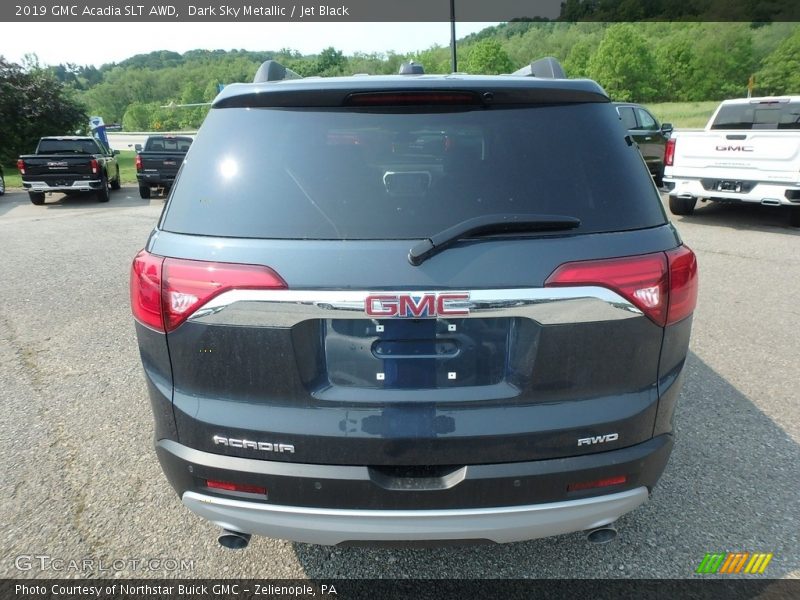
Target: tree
point(722, 62)
point(37, 105)
point(624, 66)
point(435, 59)
point(781, 71)
point(211, 90)
point(137, 117)
point(331, 62)
point(488, 57)
point(675, 63)
point(577, 62)
point(191, 93)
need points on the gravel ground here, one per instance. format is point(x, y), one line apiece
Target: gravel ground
point(76, 430)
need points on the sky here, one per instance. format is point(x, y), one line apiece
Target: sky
point(124, 40)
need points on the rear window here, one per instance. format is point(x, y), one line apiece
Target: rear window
point(400, 174)
point(167, 144)
point(67, 147)
point(763, 115)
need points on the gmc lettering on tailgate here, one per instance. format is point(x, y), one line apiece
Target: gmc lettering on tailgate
point(735, 149)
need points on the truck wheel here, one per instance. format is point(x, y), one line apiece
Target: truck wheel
point(2, 185)
point(116, 183)
point(144, 191)
point(794, 216)
point(36, 197)
point(103, 195)
point(681, 206)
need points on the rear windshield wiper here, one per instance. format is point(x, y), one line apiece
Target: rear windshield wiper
point(487, 225)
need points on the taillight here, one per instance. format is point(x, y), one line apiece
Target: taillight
point(683, 283)
point(21, 166)
point(146, 290)
point(412, 98)
point(138, 162)
point(640, 279)
point(166, 291)
point(662, 285)
point(669, 152)
point(95, 166)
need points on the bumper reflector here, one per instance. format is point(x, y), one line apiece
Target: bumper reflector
point(236, 487)
point(598, 483)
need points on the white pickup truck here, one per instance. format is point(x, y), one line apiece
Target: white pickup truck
point(748, 152)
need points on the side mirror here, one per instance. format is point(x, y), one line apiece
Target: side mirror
point(137, 147)
point(115, 152)
point(666, 128)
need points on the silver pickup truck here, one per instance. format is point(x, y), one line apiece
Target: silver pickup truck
point(748, 152)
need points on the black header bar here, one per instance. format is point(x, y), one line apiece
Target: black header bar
point(396, 11)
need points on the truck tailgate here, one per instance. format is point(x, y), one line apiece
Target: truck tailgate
point(164, 163)
point(58, 165)
point(776, 153)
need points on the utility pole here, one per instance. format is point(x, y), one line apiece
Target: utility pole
point(453, 61)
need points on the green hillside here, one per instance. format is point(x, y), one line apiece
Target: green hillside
point(650, 62)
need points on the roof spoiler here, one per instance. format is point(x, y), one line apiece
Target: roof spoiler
point(546, 68)
point(272, 70)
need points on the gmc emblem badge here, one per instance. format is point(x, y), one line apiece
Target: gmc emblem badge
point(735, 148)
point(416, 306)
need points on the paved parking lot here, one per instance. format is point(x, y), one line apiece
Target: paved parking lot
point(81, 481)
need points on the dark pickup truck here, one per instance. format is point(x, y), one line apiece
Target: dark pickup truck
point(157, 165)
point(70, 165)
point(649, 135)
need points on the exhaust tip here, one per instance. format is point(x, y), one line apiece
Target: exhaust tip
point(233, 540)
point(602, 535)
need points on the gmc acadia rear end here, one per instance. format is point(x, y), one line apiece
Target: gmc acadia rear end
point(413, 308)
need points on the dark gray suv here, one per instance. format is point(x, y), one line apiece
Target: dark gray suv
point(413, 308)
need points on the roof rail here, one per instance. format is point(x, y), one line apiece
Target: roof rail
point(272, 70)
point(548, 68)
point(411, 68)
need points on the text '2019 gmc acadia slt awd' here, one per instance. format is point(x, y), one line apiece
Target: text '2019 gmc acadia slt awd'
point(413, 308)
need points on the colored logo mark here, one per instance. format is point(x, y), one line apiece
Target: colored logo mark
point(734, 562)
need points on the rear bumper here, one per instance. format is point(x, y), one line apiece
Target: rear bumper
point(332, 504)
point(155, 179)
point(768, 193)
point(88, 185)
point(331, 526)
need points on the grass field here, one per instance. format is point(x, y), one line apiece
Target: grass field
point(127, 169)
point(682, 115)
